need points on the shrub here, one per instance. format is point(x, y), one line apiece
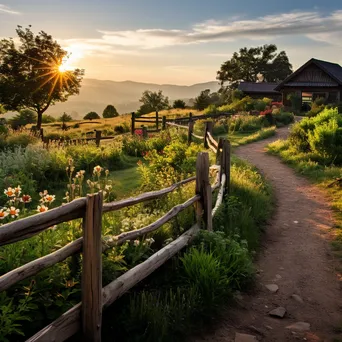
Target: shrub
point(284, 118)
point(179, 104)
point(91, 116)
point(47, 118)
point(110, 112)
point(65, 118)
point(296, 101)
point(120, 129)
point(20, 139)
point(25, 116)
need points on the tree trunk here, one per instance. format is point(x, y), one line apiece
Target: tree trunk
point(39, 121)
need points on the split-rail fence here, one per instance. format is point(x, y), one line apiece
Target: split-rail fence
point(87, 315)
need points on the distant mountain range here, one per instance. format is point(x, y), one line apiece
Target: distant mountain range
point(95, 95)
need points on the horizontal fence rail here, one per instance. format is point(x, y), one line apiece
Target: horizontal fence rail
point(87, 315)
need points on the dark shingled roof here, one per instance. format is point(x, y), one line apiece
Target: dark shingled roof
point(334, 70)
point(262, 87)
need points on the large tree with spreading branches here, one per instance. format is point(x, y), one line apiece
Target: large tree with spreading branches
point(247, 64)
point(33, 73)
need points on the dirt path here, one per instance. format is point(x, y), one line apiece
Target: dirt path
point(295, 257)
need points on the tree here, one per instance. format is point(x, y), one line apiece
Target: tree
point(110, 112)
point(246, 64)
point(206, 99)
point(23, 118)
point(91, 116)
point(65, 118)
point(179, 104)
point(32, 74)
point(48, 118)
point(153, 101)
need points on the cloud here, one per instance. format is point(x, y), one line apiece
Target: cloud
point(6, 9)
point(293, 23)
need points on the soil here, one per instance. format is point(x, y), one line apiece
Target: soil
point(296, 256)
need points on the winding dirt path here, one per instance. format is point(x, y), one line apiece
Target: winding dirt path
point(295, 256)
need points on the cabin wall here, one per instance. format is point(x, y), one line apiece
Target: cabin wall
point(313, 74)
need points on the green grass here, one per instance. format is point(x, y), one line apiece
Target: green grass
point(322, 176)
point(125, 182)
point(243, 138)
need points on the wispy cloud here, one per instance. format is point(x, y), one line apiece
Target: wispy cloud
point(8, 10)
point(294, 23)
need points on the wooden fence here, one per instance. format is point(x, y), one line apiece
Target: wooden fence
point(161, 123)
point(87, 315)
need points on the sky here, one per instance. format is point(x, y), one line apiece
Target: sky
point(177, 41)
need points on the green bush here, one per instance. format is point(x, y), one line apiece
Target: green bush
point(247, 123)
point(20, 139)
point(284, 118)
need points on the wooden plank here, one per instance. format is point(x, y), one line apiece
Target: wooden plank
point(92, 269)
point(98, 137)
point(203, 189)
point(29, 226)
point(190, 131)
point(131, 235)
point(62, 328)
point(35, 266)
point(144, 197)
point(226, 153)
point(220, 195)
point(118, 287)
point(212, 140)
point(132, 123)
point(176, 125)
point(197, 136)
point(145, 121)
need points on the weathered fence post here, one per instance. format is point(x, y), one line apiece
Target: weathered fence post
point(190, 131)
point(133, 123)
point(208, 129)
point(190, 116)
point(41, 133)
point(225, 163)
point(157, 120)
point(144, 131)
point(203, 188)
point(164, 123)
point(92, 270)
point(98, 138)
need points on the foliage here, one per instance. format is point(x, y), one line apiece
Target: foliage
point(152, 101)
point(25, 116)
point(47, 118)
point(179, 104)
point(65, 118)
point(321, 135)
point(110, 112)
point(30, 72)
point(296, 101)
point(206, 99)
point(91, 116)
point(248, 63)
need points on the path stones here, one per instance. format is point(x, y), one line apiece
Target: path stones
point(272, 287)
point(278, 312)
point(244, 338)
point(299, 326)
point(297, 298)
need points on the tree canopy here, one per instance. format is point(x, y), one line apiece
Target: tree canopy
point(65, 118)
point(32, 73)
point(153, 101)
point(91, 116)
point(24, 117)
point(110, 112)
point(179, 104)
point(246, 64)
point(206, 98)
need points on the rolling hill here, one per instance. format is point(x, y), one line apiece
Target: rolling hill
point(95, 95)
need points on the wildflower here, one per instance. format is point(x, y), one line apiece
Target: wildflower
point(17, 190)
point(42, 208)
point(80, 174)
point(13, 212)
point(97, 170)
point(49, 198)
point(43, 194)
point(9, 192)
point(108, 187)
point(136, 243)
point(3, 213)
point(107, 172)
point(26, 199)
point(149, 241)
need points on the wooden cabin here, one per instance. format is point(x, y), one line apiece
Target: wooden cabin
point(314, 79)
point(259, 90)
